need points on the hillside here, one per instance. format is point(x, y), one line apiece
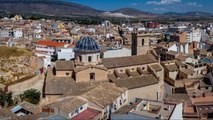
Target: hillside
point(46, 7)
point(6, 52)
point(134, 12)
point(192, 14)
point(59, 8)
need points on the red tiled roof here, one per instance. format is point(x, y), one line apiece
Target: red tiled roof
point(87, 114)
point(71, 45)
point(51, 43)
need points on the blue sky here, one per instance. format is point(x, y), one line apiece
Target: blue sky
point(156, 6)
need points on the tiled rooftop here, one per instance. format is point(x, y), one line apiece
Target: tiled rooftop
point(87, 114)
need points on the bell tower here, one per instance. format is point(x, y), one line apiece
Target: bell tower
point(140, 43)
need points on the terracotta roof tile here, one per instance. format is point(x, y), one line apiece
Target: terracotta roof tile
point(51, 43)
point(136, 82)
point(128, 61)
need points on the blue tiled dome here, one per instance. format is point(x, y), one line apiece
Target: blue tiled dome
point(87, 44)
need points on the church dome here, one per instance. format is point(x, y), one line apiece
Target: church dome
point(87, 44)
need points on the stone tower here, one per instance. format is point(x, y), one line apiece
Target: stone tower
point(140, 43)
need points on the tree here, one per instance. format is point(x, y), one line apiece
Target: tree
point(2, 98)
point(9, 99)
point(6, 99)
point(31, 95)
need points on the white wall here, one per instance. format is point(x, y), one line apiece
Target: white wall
point(186, 48)
point(117, 53)
point(18, 33)
point(122, 98)
point(173, 48)
point(173, 75)
point(95, 57)
point(46, 59)
point(74, 114)
point(48, 50)
point(180, 48)
point(177, 113)
point(196, 35)
point(66, 53)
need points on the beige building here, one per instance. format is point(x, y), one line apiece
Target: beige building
point(85, 68)
point(106, 83)
point(137, 73)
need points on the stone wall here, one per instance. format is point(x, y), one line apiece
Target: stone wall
point(35, 82)
point(148, 92)
point(84, 75)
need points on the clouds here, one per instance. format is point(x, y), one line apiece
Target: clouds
point(194, 4)
point(161, 6)
point(169, 2)
point(164, 2)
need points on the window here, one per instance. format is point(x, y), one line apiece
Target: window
point(80, 58)
point(143, 68)
point(67, 73)
point(184, 50)
point(92, 76)
point(115, 106)
point(120, 102)
point(89, 58)
point(142, 42)
point(72, 113)
point(81, 107)
point(77, 111)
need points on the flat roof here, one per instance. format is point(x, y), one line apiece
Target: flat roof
point(154, 109)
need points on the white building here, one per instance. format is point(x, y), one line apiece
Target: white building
point(91, 30)
point(47, 49)
point(194, 36)
point(106, 23)
point(66, 53)
point(178, 47)
point(141, 29)
point(17, 33)
point(5, 33)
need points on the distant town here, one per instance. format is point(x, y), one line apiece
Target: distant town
point(61, 70)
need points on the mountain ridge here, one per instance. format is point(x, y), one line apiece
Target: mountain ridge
point(69, 9)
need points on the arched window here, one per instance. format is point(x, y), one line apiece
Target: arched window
point(193, 45)
point(142, 42)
